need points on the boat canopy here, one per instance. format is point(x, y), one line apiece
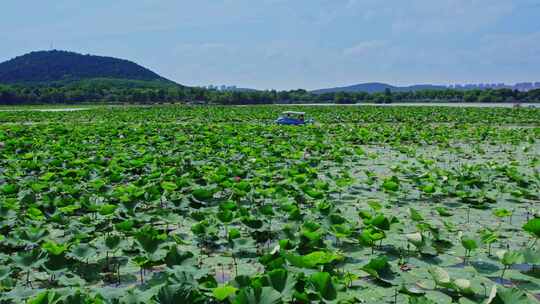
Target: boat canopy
point(294, 113)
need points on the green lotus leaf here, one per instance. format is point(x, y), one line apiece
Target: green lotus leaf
point(267, 210)
point(443, 211)
point(9, 189)
point(313, 193)
point(369, 236)
point(5, 271)
point(29, 259)
point(429, 188)
point(225, 216)
point(463, 286)
point(33, 234)
point(200, 228)
point(228, 205)
point(322, 185)
point(222, 293)
point(125, 226)
point(150, 239)
point(282, 281)
point(35, 214)
point(177, 257)
point(47, 176)
point(69, 209)
point(440, 276)
point(416, 239)
point(107, 209)
point(27, 197)
point(420, 300)
point(234, 234)
point(380, 269)
point(112, 241)
point(136, 296)
point(380, 221)
point(169, 186)
point(322, 283)
point(533, 227)
point(244, 186)
point(531, 256)
point(502, 213)
point(509, 258)
point(412, 290)
point(178, 293)
point(376, 206)
point(83, 252)
point(258, 295)
point(321, 258)
point(252, 222)
point(203, 194)
point(511, 296)
point(341, 230)
point(54, 248)
point(391, 184)
point(57, 263)
point(469, 243)
point(415, 215)
point(46, 297)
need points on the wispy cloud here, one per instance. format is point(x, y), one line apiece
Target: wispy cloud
point(365, 48)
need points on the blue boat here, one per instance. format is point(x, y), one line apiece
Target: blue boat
point(293, 119)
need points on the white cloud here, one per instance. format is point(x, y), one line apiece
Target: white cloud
point(365, 48)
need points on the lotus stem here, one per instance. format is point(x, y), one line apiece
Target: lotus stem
point(235, 265)
point(118, 274)
point(502, 274)
point(222, 273)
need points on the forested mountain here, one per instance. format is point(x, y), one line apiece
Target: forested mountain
point(62, 66)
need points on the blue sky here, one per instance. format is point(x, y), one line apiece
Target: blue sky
point(286, 44)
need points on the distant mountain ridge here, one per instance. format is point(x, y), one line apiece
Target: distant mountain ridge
point(377, 87)
point(64, 66)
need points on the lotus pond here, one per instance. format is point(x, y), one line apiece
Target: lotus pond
point(176, 204)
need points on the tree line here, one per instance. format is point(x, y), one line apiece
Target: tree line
point(119, 91)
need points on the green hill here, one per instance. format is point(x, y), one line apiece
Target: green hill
point(46, 67)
